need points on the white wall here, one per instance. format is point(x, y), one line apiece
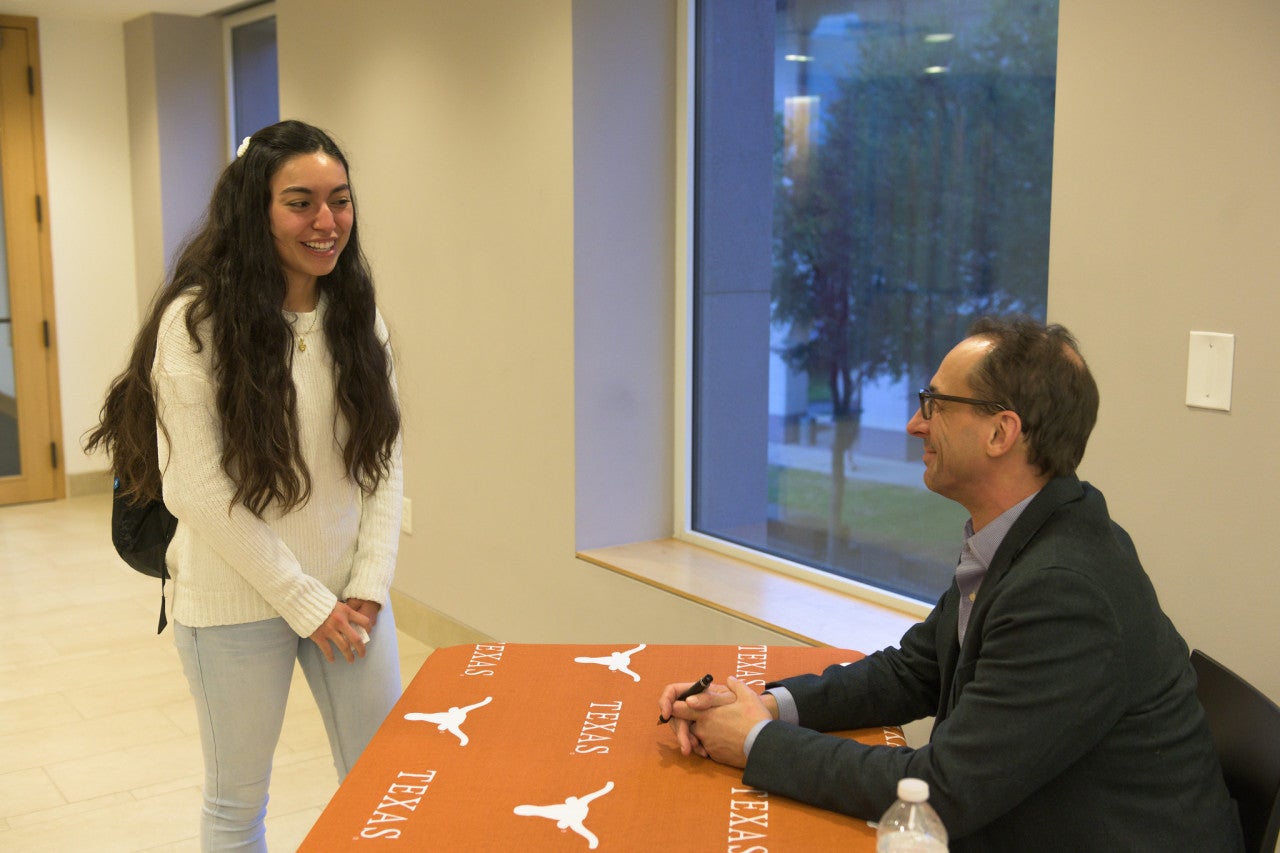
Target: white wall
point(91, 217)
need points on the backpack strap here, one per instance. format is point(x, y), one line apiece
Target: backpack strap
point(164, 620)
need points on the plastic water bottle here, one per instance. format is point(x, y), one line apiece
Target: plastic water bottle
point(911, 825)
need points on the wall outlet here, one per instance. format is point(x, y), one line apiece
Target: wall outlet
point(406, 517)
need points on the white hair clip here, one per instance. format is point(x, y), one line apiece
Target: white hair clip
point(244, 146)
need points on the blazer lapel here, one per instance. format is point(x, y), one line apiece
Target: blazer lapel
point(1058, 491)
point(947, 643)
point(957, 662)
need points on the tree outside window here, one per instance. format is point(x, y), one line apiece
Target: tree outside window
point(910, 148)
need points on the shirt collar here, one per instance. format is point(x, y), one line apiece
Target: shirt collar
point(984, 544)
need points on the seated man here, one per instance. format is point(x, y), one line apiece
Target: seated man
point(1064, 701)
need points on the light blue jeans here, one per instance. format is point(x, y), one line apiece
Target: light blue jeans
point(239, 676)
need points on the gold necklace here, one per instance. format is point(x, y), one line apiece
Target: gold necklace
point(302, 336)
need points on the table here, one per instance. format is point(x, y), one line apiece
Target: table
point(518, 747)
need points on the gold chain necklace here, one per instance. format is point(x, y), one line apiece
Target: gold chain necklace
point(302, 336)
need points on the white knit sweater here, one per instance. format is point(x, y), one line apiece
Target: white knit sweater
point(230, 567)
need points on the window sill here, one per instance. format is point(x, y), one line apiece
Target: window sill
point(806, 612)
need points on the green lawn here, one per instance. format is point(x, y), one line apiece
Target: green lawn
point(907, 520)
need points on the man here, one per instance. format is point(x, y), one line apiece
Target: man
point(1064, 703)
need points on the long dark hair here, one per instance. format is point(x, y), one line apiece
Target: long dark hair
point(231, 267)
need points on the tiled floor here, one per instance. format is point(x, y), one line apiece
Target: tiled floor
point(98, 745)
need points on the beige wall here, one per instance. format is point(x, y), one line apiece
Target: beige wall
point(91, 218)
point(1166, 200)
point(177, 130)
point(142, 93)
point(459, 118)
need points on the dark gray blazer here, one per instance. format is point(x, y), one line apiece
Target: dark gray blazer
point(1068, 721)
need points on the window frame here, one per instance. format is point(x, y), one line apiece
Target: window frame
point(229, 23)
point(686, 100)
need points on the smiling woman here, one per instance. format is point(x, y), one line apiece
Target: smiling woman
point(281, 463)
point(311, 219)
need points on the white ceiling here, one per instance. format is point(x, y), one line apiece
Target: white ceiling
point(112, 10)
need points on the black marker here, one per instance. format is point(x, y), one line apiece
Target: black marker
point(694, 689)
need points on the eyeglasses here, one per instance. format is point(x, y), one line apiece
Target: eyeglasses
point(927, 397)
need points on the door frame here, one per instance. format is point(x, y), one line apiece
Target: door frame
point(36, 343)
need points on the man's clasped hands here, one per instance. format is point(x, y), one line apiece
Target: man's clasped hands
point(715, 723)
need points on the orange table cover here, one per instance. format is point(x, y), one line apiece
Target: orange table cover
point(516, 747)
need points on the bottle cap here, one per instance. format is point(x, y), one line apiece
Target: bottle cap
point(913, 790)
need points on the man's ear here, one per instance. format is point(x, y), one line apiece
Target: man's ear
point(1005, 431)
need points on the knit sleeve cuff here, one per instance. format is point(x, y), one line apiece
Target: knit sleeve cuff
point(307, 611)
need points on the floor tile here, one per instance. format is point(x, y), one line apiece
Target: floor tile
point(99, 748)
point(25, 791)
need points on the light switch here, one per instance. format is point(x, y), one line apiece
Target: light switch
point(1209, 364)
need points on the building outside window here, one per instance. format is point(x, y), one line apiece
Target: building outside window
point(869, 177)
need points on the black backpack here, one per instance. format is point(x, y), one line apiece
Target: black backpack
point(141, 533)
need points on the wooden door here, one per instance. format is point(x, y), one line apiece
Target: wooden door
point(31, 466)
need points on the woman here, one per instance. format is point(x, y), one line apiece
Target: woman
point(275, 434)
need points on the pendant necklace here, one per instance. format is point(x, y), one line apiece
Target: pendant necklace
point(302, 336)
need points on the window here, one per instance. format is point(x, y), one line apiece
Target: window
point(869, 176)
point(253, 80)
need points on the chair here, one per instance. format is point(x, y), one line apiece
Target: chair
point(1245, 726)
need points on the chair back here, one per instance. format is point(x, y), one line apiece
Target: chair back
point(1245, 726)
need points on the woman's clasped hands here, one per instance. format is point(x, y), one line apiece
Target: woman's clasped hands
point(342, 630)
